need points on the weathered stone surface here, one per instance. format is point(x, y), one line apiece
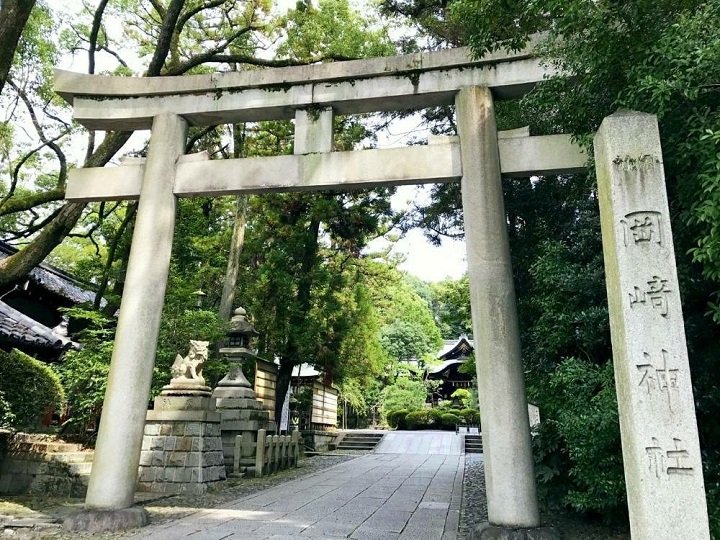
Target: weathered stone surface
point(379, 84)
point(117, 453)
point(99, 521)
point(486, 531)
point(187, 453)
point(509, 466)
point(230, 397)
point(661, 452)
point(183, 403)
point(183, 416)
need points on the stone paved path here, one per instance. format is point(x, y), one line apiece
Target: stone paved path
point(374, 497)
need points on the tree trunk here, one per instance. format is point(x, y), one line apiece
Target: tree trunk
point(13, 16)
point(233, 264)
point(238, 236)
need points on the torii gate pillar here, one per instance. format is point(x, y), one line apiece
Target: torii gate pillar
point(115, 465)
point(509, 468)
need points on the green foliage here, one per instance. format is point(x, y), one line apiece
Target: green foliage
point(407, 327)
point(448, 421)
point(451, 307)
point(463, 395)
point(711, 472)
point(471, 416)
point(581, 426)
point(419, 419)
point(333, 30)
point(6, 415)
point(84, 373)
point(28, 389)
point(404, 394)
point(396, 419)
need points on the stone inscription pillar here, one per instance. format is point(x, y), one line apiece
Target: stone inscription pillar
point(117, 453)
point(661, 453)
point(509, 468)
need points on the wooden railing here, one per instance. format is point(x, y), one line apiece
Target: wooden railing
point(271, 453)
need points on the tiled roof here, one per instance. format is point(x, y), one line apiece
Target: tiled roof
point(19, 329)
point(53, 279)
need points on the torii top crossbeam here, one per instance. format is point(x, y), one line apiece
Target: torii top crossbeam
point(360, 86)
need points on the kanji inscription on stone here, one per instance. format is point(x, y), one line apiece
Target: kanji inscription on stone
point(642, 228)
point(655, 295)
point(657, 377)
point(671, 462)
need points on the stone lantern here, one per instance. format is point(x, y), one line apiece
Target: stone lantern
point(235, 398)
point(237, 350)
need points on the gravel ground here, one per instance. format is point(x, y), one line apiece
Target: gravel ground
point(570, 526)
point(40, 517)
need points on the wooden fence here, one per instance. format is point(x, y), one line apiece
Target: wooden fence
point(271, 453)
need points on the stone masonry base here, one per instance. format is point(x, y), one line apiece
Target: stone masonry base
point(181, 456)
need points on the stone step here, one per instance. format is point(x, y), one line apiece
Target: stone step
point(355, 447)
point(473, 444)
point(61, 457)
point(44, 447)
point(361, 440)
point(80, 469)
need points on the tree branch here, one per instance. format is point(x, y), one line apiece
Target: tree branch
point(97, 20)
point(167, 30)
point(182, 21)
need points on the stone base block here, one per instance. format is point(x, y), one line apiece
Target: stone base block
point(100, 521)
point(183, 416)
point(237, 402)
point(487, 531)
point(181, 457)
point(184, 403)
point(234, 392)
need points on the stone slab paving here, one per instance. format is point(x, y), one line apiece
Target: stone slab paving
point(375, 497)
point(421, 442)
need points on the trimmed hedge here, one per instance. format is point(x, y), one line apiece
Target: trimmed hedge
point(396, 419)
point(29, 388)
point(449, 421)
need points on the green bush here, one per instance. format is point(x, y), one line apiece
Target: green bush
point(471, 416)
point(577, 466)
point(435, 415)
point(448, 421)
point(404, 394)
point(6, 414)
point(417, 420)
point(30, 388)
point(84, 373)
point(396, 419)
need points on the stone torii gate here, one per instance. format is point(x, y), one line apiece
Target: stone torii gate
point(660, 443)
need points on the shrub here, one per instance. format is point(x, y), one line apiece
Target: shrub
point(404, 394)
point(448, 421)
point(463, 395)
point(417, 420)
point(579, 466)
point(434, 416)
point(84, 373)
point(396, 418)
point(29, 388)
point(471, 416)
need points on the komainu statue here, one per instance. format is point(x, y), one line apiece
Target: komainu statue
point(189, 369)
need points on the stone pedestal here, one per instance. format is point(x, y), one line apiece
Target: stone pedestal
point(240, 413)
point(181, 447)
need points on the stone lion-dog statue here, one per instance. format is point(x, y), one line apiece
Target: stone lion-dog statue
point(189, 368)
